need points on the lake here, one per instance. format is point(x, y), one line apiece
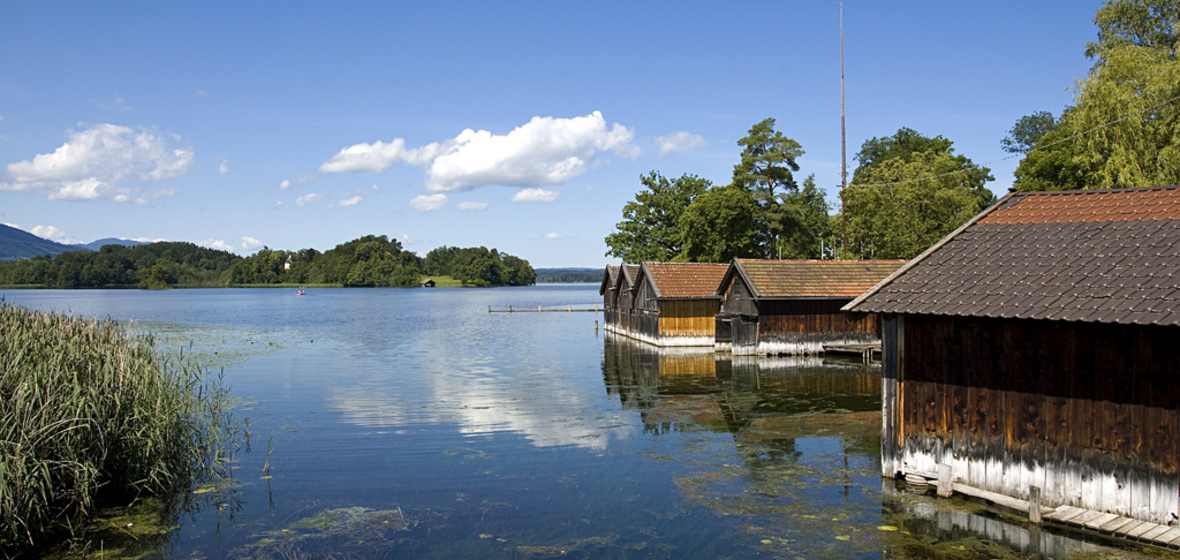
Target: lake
point(413, 423)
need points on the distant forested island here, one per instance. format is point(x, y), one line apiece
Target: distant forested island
point(369, 261)
point(584, 275)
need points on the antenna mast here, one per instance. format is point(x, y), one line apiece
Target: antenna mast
point(843, 146)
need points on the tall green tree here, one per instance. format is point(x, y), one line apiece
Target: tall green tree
point(721, 224)
point(810, 210)
point(1028, 130)
point(650, 230)
point(908, 192)
point(1124, 127)
point(767, 171)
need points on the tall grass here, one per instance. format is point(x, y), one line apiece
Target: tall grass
point(91, 415)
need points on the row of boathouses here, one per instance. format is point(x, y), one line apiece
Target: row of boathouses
point(750, 306)
point(1031, 355)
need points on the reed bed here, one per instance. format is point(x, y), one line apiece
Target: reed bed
point(92, 415)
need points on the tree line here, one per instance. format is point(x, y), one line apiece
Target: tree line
point(909, 190)
point(368, 261)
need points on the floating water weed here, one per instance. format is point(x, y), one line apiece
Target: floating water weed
point(90, 414)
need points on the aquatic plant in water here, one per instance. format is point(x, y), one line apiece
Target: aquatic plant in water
point(91, 415)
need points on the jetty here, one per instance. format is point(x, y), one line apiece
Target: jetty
point(540, 309)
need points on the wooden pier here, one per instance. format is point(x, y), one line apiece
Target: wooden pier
point(866, 351)
point(540, 309)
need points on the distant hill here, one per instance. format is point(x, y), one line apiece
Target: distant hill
point(549, 275)
point(19, 244)
point(96, 245)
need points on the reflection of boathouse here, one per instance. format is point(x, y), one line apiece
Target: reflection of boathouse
point(772, 307)
point(1035, 348)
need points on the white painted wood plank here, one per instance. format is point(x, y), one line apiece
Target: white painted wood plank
point(1116, 524)
point(1143, 527)
point(1103, 519)
point(1065, 513)
point(1154, 532)
point(1130, 528)
point(1168, 536)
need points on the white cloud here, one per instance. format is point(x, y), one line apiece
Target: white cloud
point(679, 142)
point(310, 198)
point(356, 197)
point(53, 234)
point(278, 204)
point(92, 162)
point(472, 206)
point(284, 185)
point(202, 93)
point(216, 244)
point(552, 235)
point(249, 244)
point(543, 151)
point(377, 156)
point(429, 202)
point(534, 195)
point(305, 179)
point(11, 225)
point(223, 166)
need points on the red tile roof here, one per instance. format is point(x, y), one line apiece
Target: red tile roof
point(814, 279)
point(685, 280)
point(1110, 256)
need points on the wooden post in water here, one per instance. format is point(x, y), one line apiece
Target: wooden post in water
point(944, 480)
point(1034, 504)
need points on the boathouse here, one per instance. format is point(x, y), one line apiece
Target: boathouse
point(609, 291)
point(791, 307)
point(624, 322)
point(675, 304)
point(1033, 353)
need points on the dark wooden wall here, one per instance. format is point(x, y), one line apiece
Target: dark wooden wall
point(1089, 402)
point(811, 316)
point(737, 299)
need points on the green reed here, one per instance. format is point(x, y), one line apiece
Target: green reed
point(92, 415)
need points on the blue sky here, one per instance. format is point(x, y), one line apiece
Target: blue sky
point(520, 126)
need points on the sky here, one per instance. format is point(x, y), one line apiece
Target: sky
point(521, 126)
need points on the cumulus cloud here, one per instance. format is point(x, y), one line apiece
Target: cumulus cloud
point(472, 206)
point(53, 234)
point(250, 244)
point(552, 235)
point(310, 198)
point(223, 166)
point(216, 244)
point(284, 185)
point(429, 202)
point(679, 142)
point(534, 195)
point(93, 162)
point(543, 151)
point(355, 197)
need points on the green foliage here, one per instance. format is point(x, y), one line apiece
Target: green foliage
point(156, 278)
point(899, 207)
point(721, 224)
point(121, 266)
point(767, 166)
point(85, 407)
point(1029, 129)
point(438, 261)
point(1124, 127)
point(650, 230)
point(810, 212)
point(478, 266)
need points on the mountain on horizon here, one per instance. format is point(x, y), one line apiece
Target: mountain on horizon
point(18, 244)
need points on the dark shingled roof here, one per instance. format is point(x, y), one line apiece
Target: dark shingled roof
point(813, 279)
point(1110, 256)
point(685, 280)
point(609, 278)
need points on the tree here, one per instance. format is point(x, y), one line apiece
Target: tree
point(721, 224)
point(1023, 136)
point(810, 211)
point(1124, 127)
point(767, 166)
point(899, 207)
point(911, 146)
point(650, 229)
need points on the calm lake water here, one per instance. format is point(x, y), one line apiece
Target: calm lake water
point(411, 423)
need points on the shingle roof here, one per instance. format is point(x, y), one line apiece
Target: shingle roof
point(814, 279)
point(609, 278)
point(628, 275)
point(685, 280)
point(1109, 256)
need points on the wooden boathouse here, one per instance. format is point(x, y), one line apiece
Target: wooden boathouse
point(669, 304)
point(792, 307)
point(624, 300)
point(609, 290)
point(1032, 353)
